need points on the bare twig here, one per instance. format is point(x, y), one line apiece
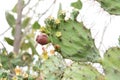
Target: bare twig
point(27, 29)
point(4, 47)
point(30, 9)
point(46, 10)
point(26, 4)
point(5, 31)
point(102, 38)
point(17, 37)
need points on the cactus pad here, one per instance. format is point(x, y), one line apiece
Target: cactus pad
point(111, 6)
point(111, 64)
point(74, 39)
point(81, 71)
point(53, 68)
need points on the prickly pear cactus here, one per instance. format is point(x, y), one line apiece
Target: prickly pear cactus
point(111, 6)
point(81, 71)
point(111, 64)
point(74, 39)
point(53, 68)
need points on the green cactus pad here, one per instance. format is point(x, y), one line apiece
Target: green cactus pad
point(111, 6)
point(81, 71)
point(53, 68)
point(75, 41)
point(111, 64)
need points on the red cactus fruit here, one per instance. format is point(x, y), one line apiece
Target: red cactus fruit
point(42, 38)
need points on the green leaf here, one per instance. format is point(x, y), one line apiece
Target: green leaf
point(25, 46)
point(60, 9)
point(5, 61)
point(22, 59)
point(13, 31)
point(9, 41)
point(77, 4)
point(17, 61)
point(32, 46)
point(26, 22)
point(14, 9)
point(26, 58)
point(10, 19)
point(36, 25)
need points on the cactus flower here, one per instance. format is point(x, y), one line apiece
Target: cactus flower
point(57, 21)
point(14, 78)
point(25, 75)
point(58, 34)
point(45, 55)
point(18, 71)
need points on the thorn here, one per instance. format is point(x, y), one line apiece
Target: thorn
point(108, 55)
point(71, 78)
point(70, 41)
point(73, 28)
point(83, 75)
point(64, 29)
point(116, 71)
point(60, 39)
point(78, 51)
point(70, 69)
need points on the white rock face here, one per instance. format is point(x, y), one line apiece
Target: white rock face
point(104, 27)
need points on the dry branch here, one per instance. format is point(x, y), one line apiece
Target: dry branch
point(17, 36)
